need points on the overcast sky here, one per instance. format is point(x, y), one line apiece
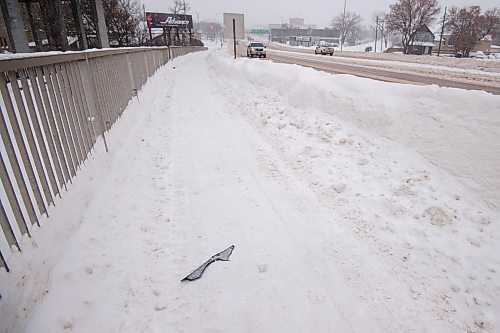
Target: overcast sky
point(319, 12)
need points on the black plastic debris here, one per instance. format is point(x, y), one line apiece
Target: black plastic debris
point(221, 256)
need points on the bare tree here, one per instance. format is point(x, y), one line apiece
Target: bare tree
point(468, 26)
point(349, 26)
point(210, 29)
point(179, 7)
point(122, 20)
point(408, 16)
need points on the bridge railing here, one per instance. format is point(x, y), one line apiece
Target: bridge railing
point(53, 109)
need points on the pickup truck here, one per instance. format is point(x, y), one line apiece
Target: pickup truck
point(324, 49)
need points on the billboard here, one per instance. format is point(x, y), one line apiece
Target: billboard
point(228, 25)
point(163, 20)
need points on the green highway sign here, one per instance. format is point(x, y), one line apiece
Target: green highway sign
point(259, 31)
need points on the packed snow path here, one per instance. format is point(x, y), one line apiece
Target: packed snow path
point(334, 231)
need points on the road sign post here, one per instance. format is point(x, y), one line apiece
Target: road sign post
point(234, 37)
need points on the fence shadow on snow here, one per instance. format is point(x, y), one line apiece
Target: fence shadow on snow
point(53, 109)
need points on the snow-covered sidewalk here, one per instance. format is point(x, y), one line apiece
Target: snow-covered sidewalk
point(340, 222)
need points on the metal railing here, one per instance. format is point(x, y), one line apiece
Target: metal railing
point(53, 109)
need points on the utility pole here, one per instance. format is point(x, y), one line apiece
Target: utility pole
point(376, 34)
point(442, 31)
point(343, 32)
point(381, 35)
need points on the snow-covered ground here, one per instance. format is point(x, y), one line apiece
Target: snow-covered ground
point(361, 47)
point(354, 206)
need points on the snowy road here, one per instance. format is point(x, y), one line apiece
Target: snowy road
point(336, 229)
point(489, 82)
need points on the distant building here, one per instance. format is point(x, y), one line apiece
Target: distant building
point(296, 23)
point(484, 44)
point(423, 43)
point(301, 41)
point(447, 47)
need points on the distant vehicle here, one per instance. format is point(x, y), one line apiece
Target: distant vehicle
point(368, 49)
point(256, 50)
point(325, 48)
point(494, 56)
point(477, 55)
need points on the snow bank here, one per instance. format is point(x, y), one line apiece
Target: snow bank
point(361, 47)
point(414, 168)
point(453, 128)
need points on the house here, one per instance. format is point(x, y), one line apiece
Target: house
point(484, 44)
point(446, 44)
point(423, 41)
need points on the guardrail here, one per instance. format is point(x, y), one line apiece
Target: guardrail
point(53, 109)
